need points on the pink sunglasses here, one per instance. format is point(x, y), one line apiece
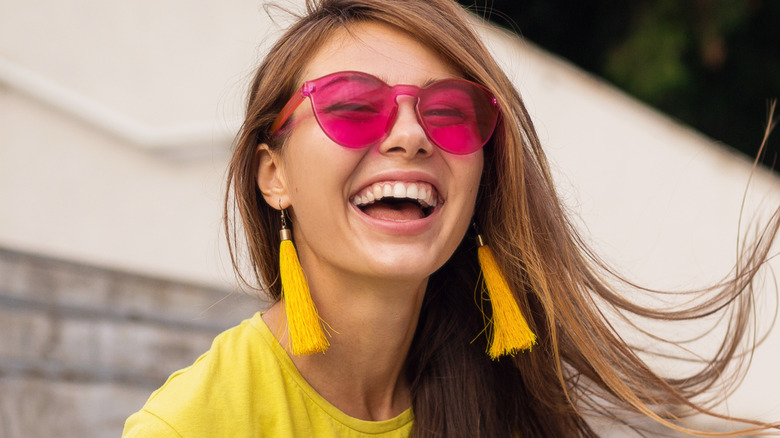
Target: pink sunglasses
point(356, 109)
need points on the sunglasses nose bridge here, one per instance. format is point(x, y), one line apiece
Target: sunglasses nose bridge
point(398, 91)
point(413, 101)
point(405, 90)
point(405, 131)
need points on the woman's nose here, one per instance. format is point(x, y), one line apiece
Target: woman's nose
point(406, 135)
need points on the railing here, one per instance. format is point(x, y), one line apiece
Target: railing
point(189, 139)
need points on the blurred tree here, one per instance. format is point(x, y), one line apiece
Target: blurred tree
point(713, 64)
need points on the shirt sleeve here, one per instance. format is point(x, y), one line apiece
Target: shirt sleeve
point(144, 424)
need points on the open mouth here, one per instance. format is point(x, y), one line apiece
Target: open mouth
point(397, 201)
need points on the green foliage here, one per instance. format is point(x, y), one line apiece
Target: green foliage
point(714, 64)
point(649, 62)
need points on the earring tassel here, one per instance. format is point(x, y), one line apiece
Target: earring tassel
point(306, 334)
point(511, 333)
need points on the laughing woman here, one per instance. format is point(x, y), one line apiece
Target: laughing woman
point(426, 281)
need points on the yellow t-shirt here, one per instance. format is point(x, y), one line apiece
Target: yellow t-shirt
point(247, 386)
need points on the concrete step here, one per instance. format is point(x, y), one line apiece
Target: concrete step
point(82, 347)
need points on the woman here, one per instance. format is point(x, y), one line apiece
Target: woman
point(385, 137)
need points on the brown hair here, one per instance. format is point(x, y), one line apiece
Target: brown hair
point(581, 365)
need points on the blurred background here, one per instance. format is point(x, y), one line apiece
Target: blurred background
point(711, 64)
point(116, 120)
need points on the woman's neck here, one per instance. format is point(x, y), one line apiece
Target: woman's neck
point(371, 326)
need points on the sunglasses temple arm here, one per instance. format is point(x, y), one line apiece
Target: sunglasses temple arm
point(287, 111)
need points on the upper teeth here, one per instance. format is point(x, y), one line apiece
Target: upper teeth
point(422, 192)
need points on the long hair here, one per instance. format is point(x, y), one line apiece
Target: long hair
point(581, 365)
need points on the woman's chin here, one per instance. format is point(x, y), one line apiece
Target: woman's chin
point(407, 268)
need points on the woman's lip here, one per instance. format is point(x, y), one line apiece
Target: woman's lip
point(410, 227)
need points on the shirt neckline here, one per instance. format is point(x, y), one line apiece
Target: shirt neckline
point(363, 426)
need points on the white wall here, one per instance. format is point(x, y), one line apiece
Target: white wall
point(657, 200)
point(115, 119)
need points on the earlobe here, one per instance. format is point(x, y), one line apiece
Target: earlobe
point(270, 178)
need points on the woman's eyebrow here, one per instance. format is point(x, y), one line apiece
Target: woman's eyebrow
point(429, 82)
point(348, 77)
point(382, 78)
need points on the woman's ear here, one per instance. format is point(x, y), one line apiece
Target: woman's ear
point(270, 177)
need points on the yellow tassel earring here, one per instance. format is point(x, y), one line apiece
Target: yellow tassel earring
point(510, 329)
point(303, 321)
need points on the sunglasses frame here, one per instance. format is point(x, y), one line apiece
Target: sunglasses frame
point(310, 87)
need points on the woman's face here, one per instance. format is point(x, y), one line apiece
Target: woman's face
point(322, 181)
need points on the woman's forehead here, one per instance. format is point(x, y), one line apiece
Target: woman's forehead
point(381, 50)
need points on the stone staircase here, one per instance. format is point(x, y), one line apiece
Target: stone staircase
point(82, 347)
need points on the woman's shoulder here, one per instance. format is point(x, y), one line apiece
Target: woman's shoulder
point(247, 386)
point(233, 357)
point(234, 379)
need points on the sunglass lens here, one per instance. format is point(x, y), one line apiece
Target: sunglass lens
point(353, 109)
point(458, 115)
